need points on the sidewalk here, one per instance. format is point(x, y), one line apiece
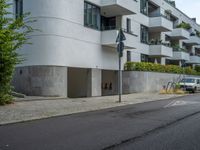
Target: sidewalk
point(31, 109)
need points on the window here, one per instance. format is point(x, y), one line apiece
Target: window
point(144, 34)
point(128, 56)
point(108, 23)
point(128, 25)
point(91, 16)
point(144, 7)
point(144, 58)
point(198, 81)
point(18, 8)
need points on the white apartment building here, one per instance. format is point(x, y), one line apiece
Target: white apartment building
point(74, 54)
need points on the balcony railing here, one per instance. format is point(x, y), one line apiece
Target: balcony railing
point(161, 15)
point(179, 49)
point(108, 38)
point(160, 23)
point(160, 50)
point(106, 28)
point(180, 54)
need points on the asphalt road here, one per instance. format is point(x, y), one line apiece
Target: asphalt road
point(161, 125)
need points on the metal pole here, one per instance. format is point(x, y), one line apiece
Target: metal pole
point(184, 75)
point(120, 80)
point(184, 79)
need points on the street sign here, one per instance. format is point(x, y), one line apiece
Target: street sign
point(120, 47)
point(121, 37)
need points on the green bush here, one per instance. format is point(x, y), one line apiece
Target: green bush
point(197, 68)
point(13, 35)
point(198, 33)
point(184, 25)
point(151, 67)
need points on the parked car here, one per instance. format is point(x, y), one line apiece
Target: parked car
point(190, 84)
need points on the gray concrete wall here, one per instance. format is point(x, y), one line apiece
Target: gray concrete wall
point(41, 80)
point(109, 82)
point(79, 82)
point(135, 81)
point(96, 78)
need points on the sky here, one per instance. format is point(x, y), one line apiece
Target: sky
point(190, 7)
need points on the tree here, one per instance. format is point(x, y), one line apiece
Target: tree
point(14, 34)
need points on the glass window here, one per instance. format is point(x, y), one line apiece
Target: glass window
point(188, 80)
point(144, 34)
point(91, 16)
point(19, 8)
point(144, 58)
point(128, 25)
point(144, 6)
point(108, 23)
point(128, 56)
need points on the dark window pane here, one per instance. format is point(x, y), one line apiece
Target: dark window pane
point(128, 25)
point(128, 56)
point(19, 8)
point(91, 16)
point(144, 34)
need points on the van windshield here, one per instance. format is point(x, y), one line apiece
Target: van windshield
point(188, 80)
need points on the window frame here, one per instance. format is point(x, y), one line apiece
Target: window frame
point(144, 34)
point(19, 10)
point(92, 16)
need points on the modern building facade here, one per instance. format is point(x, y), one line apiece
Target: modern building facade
point(74, 54)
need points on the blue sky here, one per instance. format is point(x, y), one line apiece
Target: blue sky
point(190, 7)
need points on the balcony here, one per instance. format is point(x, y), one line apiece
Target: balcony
point(193, 40)
point(160, 24)
point(108, 38)
point(181, 55)
point(160, 51)
point(110, 8)
point(194, 59)
point(179, 34)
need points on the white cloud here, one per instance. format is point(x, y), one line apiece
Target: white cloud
point(190, 7)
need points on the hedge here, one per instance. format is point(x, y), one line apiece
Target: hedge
point(151, 67)
point(197, 68)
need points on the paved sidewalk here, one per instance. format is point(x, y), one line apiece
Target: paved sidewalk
point(32, 109)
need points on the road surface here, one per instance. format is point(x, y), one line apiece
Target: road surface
point(161, 125)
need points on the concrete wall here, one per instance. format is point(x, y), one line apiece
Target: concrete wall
point(79, 82)
point(96, 79)
point(57, 81)
point(109, 82)
point(41, 80)
point(84, 82)
point(134, 81)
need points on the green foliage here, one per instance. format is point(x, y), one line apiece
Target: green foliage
point(143, 66)
point(184, 25)
point(198, 33)
point(197, 68)
point(177, 86)
point(13, 35)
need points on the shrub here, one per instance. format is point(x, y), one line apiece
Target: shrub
point(11, 39)
point(197, 68)
point(143, 66)
point(184, 25)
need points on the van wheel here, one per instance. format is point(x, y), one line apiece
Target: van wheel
point(194, 90)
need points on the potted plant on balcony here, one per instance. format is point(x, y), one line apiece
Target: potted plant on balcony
point(184, 25)
point(198, 33)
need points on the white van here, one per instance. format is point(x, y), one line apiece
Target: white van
point(190, 84)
